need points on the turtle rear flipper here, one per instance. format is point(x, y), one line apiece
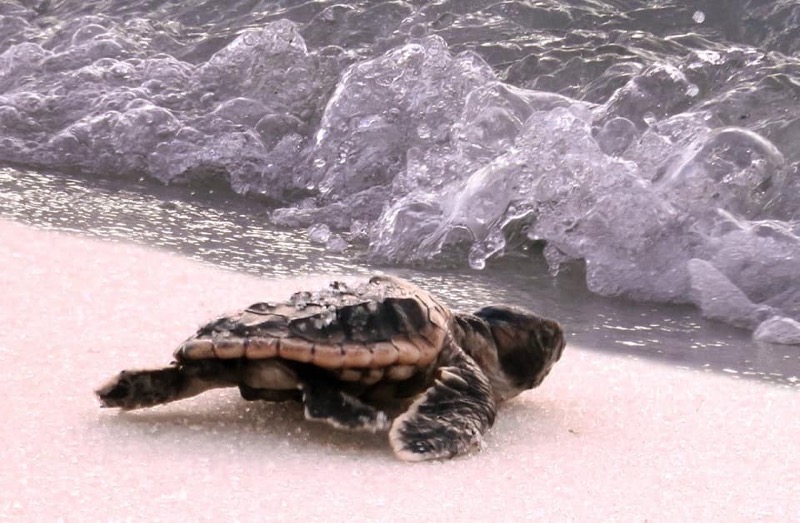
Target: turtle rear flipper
point(326, 402)
point(451, 417)
point(135, 389)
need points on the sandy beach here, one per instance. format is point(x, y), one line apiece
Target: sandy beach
point(606, 438)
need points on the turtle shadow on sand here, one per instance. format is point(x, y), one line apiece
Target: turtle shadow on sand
point(268, 427)
point(255, 425)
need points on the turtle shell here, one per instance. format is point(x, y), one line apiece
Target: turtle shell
point(385, 327)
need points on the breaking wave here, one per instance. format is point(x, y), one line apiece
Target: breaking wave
point(653, 147)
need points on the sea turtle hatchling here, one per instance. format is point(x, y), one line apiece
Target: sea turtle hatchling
point(347, 350)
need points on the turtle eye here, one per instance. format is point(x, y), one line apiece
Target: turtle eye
point(503, 338)
point(550, 336)
point(545, 334)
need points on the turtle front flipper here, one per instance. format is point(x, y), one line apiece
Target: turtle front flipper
point(451, 417)
point(136, 389)
point(326, 402)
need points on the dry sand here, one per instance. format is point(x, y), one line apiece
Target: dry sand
point(604, 439)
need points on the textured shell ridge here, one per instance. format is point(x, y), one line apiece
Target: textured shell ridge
point(381, 324)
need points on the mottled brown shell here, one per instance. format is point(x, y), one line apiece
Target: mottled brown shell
point(386, 327)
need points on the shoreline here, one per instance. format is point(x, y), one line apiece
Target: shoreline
point(604, 438)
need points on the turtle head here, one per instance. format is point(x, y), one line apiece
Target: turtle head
point(527, 345)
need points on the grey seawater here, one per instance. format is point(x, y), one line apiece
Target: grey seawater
point(219, 228)
point(647, 149)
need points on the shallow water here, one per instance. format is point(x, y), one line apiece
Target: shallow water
point(229, 232)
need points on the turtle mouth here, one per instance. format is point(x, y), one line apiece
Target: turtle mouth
point(562, 344)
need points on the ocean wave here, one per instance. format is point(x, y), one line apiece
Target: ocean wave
point(653, 147)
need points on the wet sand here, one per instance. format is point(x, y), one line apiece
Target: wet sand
point(604, 439)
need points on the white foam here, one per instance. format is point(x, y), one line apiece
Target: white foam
point(605, 438)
